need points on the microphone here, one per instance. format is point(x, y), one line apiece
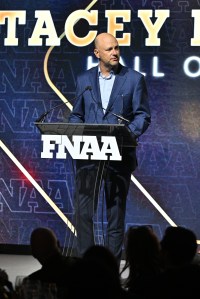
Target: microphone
point(120, 117)
point(41, 118)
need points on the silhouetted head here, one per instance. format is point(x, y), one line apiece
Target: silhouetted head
point(92, 278)
point(142, 248)
point(103, 255)
point(178, 246)
point(44, 244)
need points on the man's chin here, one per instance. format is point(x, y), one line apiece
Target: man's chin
point(115, 62)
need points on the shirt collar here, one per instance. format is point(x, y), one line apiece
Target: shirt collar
point(101, 75)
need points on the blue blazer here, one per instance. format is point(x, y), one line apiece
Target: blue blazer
point(128, 99)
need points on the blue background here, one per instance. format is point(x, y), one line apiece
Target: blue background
point(168, 153)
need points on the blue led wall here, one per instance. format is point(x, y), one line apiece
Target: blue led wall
point(168, 153)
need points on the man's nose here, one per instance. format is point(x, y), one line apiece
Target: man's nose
point(114, 51)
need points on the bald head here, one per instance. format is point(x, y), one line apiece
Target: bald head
point(107, 51)
point(103, 38)
point(43, 243)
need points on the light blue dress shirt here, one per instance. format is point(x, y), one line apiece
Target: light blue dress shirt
point(106, 85)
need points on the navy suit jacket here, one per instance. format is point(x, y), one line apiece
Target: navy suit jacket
point(128, 99)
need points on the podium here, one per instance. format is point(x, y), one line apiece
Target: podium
point(95, 159)
point(120, 131)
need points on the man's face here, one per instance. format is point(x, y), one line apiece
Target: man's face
point(107, 51)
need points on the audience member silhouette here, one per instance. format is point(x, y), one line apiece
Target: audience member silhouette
point(164, 269)
point(179, 246)
point(142, 258)
point(103, 255)
point(180, 278)
point(55, 267)
point(6, 287)
point(96, 275)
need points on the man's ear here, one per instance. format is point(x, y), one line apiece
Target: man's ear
point(96, 53)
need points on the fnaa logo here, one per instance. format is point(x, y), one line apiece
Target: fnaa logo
point(81, 147)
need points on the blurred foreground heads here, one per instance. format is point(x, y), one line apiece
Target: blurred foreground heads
point(181, 276)
point(96, 275)
point(142, 258)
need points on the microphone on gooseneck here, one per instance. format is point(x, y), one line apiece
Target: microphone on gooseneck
point(41, 118)
point(120, 117)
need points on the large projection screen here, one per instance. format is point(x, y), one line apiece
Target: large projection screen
point(41, 52)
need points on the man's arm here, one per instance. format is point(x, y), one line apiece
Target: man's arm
point(141, 109)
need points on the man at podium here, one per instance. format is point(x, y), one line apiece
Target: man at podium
point(107, 94)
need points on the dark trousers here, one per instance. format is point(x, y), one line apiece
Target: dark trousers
point(116, 181)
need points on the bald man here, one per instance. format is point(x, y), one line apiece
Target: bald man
point(55, 268)
point(115, 91)
point(44, 244)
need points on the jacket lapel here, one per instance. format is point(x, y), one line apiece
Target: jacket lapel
point(118, 83)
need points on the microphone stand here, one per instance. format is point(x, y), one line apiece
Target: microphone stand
point(41, 118)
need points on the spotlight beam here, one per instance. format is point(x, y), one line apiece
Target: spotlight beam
point(154, 203)
point(37, 186)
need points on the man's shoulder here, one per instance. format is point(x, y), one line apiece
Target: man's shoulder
point(129, 71)
point(87, 72)
point(132, 71)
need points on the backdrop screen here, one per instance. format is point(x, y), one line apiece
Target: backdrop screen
point(43, 46)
